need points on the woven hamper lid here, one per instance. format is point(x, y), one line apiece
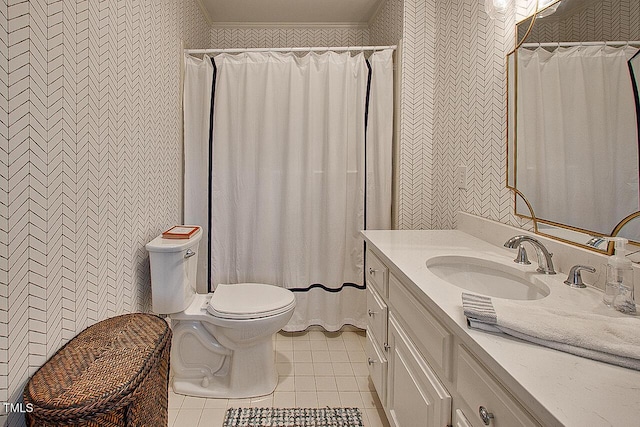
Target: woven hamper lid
point(98, 369)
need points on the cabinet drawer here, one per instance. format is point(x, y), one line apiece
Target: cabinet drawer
point(459, 420)
point(376, 316)
point(478, 388)
point(430, 337)
point(376, 274)
point(377, 367)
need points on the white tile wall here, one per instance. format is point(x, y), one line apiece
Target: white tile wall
point(386, 27)
point(453, 109)
point(615, 21)
point(470, 113)
point(90, 164)
point(247, 37)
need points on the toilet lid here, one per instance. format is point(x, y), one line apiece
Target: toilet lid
point(249, 301)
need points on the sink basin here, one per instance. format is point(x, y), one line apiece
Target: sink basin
point(488, 277)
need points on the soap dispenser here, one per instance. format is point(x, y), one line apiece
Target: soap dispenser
point(619, 287)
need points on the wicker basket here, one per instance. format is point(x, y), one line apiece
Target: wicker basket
point(114, 373)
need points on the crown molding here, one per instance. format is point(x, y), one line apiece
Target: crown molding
point(285, 25)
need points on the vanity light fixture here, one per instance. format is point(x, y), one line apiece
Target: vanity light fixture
point(495, 7)
point(549, 10)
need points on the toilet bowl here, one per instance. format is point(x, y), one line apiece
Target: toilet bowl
point(222, 342)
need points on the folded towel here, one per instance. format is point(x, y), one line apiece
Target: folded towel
point(614, 340)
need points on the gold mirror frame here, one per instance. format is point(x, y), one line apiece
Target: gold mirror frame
point(511, 131)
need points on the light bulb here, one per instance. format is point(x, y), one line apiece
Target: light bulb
point(550, 10)
point(495, 7)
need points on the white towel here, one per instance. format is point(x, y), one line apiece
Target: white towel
point(614, 340)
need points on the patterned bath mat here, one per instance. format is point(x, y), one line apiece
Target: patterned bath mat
point(293, 417)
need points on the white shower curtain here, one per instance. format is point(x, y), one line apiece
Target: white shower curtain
point(288, 176)
point(576, 115)
point(198, 81)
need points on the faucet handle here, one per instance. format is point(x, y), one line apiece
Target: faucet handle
point(575, 278)
point(522, 257)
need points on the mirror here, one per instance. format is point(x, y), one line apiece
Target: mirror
point(572, 141)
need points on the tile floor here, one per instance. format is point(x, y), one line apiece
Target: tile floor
point(316, 369)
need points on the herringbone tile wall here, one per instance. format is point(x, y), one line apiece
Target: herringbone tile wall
point(453, 109)
point(607, 20)
point(470, 123)
point(386, 26)
point(273, 37)
point(90, 164)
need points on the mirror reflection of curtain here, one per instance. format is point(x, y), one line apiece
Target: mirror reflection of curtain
point(576, 116)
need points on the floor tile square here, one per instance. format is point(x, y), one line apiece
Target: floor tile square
point(303, 368)
point(360, 369)
point(305, 383)
point(187, 418)
point(326, 384)
point(284, 356)
point(339, 356)
point(351, 399)
point(216, 404)
point(321, 356)
point(284, 369)
point(212, 417)
point(286, 384)
point(191, 402)
point(302, 356)
point(301, 345)
point(284, 399)
point(306, 399)
point(341, 369)
point(316, 345)
point(323, 369)
point(346, 384)
point(328, 398)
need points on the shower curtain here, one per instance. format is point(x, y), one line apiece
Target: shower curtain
point(576, 114)
point(296, 145)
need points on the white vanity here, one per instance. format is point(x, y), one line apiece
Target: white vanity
point(430, 369)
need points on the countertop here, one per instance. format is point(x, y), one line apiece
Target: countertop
point(558, 388)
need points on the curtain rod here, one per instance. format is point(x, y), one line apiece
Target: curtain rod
point(290, 49)
point(571, 44)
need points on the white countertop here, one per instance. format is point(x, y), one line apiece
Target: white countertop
point(558, 388)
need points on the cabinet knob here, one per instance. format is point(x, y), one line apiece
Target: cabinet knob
point(485, 415)
point(370, 361)
point(371, 313)
point(372, 271)
point(386, 347)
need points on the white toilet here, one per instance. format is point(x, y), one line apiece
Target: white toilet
point(223, 341)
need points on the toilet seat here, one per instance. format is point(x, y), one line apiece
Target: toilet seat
point(249, 301)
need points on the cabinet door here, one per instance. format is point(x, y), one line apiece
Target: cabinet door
point(377, 367)
point(415, 395)
point(377, 317)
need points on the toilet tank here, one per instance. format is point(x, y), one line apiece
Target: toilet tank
point(173, 272)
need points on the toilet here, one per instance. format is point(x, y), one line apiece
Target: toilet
point(222, 342)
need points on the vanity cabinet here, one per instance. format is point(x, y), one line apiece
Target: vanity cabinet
point(423, 374)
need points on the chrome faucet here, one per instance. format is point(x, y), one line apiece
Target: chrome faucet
point(575, 278)
point(595, 241)
point(545, 265)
